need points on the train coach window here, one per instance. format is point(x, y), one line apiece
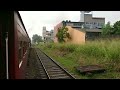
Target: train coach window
point(23, 48)
point(26, 46)
point(20, 51)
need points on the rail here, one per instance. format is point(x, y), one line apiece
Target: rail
point(51, 66)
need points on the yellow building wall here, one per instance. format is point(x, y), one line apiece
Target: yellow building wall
point(77, 36)
point(56, 31)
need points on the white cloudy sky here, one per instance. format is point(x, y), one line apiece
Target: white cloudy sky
point(35, 20)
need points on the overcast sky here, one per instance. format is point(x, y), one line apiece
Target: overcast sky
point(35, 20)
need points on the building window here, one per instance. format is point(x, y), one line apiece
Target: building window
point(76, 24)
point(98, 24)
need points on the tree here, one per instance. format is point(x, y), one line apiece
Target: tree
point(116, 28)
point(36, 38)
point(107, 29)
point(62, 34)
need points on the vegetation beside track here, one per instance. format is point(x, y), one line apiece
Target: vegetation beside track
point(105, 53)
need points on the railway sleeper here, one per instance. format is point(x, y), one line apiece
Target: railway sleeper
point(51, 67)
point(57, 75)
point(54, 70)
point(65, 77)
point(49, 64)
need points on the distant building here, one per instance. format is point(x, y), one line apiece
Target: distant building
point(77, 36)
point(72, 24)
point(47, 35)
point(91, 25)
point(91, 22)
point(80, 36)
point(77, 25)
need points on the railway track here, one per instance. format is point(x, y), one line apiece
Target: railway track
point(50, 69)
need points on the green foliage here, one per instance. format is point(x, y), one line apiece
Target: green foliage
point(36, 38)
point(116, 28)
point(62, 34)
point(111, 30)
point(106, 30)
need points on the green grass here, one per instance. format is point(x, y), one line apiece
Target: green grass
point(103, 52)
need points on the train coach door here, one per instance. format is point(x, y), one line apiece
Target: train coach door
point(4, 44)
point(2, 53)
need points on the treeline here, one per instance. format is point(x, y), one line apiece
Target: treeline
point(111, 30)
point(36, 39)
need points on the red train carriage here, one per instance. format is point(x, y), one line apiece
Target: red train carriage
point(14, 46)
